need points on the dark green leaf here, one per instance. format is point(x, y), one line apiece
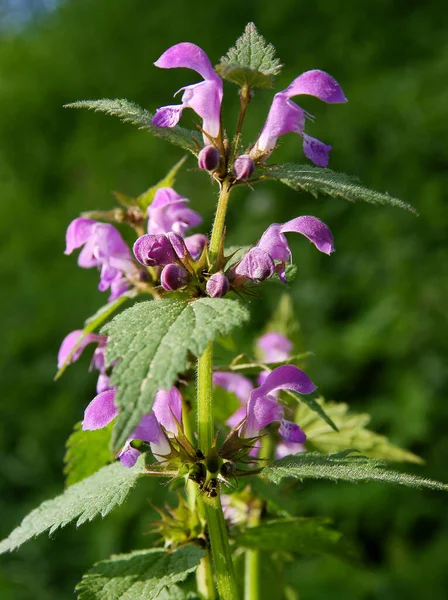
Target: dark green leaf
point(87, 451)
point(151, 341)
point(317, 180)
point(251, 62)
point(141, 575)
point(308, 536)
point(96, 495)
point(132, 113)
point(343, 467)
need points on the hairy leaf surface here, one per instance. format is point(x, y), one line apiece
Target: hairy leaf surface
point(251, 61)
point(151, 341)
point(344, 467)
point(132, 113)
point(317, 180)
point(143, 574)
point(83, 501)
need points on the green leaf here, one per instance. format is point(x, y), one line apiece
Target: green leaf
point(306, 536)
point(132, 113)
point(96, 495)
point(94, 322)
point(151, 341)
point(251, 62)
point(145, 199)
point(352, 433)
point(343, 467)
point(87, 451)
point(316, 180)
point(143, 574)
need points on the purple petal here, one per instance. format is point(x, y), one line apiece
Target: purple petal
point(284, 117)
point(163, 197)
point(261, 411)
point(274, 347)
point(128, 455)
point(118, 287)
point(314, 229)
point(168, 116)
point(195, 244)
point(101, 411)
point(169, 212)
point(209, 158)
point(78, 232)
point(286, 377)
point(286, 448)
point(149, 430)
point(234, 382)
point(291, 432)
point(316, 151)
point(103, 383)
point(274, 243)
point(235, 419)
point(177, 244)
point(243, 167)
point(257, 265)
point(71, 340)
point(152, 250)
point(168, 408)
point(316, 83)
point(188, 56)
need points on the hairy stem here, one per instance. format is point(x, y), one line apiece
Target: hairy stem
point(205, 396)
point(251, 575)
point(222, 557)
point(220, 219)
point(204, 578)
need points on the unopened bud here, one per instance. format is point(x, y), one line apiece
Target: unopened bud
point(217, 285)
point(173, 277)
point(243, 167)
point(209, 158)
point(256, 265)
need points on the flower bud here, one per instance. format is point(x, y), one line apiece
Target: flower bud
point(256, 265)
point(173, 277)
point(243, 167)
point(217, 285)
point(209, 158)
point(152, 250)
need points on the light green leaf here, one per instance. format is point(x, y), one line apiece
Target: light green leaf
point(145, 199)
point(251, 62)
point(317, 180)
point(151, 341)
point(87, 452)
point(307, 536)
point(83, 501)
point(352, 433)
point(143, 574)
point(132, 113)
point(94, 322)
point(344, 467)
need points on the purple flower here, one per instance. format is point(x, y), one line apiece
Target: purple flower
point(258, 264)
point(240, 386)
point(104, 248)
point(169, 212)
point(154, 250)
point(195, 244)
point(274, 347)
point(209, 158)
point(167, 412)
point(263, 407)
point(286, 117)
point(243, 167)
point(98, 360)
point(204, 97)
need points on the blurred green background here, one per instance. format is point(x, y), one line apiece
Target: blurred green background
point(374, 313)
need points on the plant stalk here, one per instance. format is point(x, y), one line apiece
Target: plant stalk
point(205, 397)
point(220, 218)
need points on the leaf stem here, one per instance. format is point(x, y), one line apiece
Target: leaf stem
point(222, 557)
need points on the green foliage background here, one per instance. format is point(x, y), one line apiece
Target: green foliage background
point(374, 313)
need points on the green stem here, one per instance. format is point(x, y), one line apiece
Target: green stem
point(220, 219)
point(204, 578)
point(222, 557)
point(251, 575)
point(205, 397)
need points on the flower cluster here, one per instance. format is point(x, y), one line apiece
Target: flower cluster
point(284, 115)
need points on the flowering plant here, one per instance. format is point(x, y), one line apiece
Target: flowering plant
point(222, 432)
